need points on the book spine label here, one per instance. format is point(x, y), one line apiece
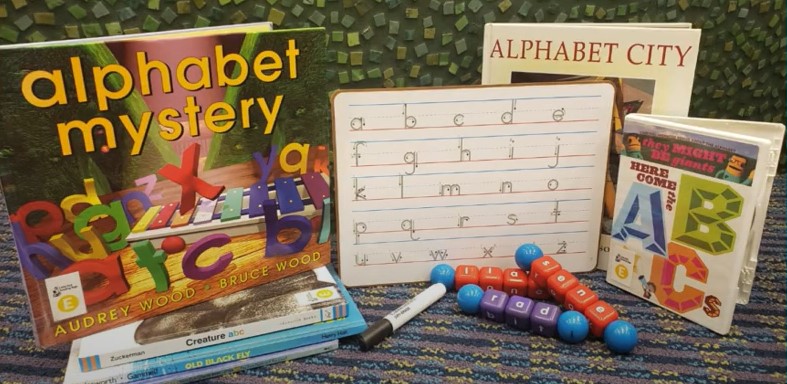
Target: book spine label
point(252, 362)
point(89, 363)
point(205, 357)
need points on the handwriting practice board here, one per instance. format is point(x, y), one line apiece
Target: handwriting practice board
point(465, 175)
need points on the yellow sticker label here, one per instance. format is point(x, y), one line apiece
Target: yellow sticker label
point(324, 293)
point(621, 271)
point(68, 303)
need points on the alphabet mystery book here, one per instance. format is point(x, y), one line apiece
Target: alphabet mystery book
point(144, 174)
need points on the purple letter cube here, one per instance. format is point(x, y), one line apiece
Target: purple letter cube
point(493, 305)
point(518, 312)
point(543, 320)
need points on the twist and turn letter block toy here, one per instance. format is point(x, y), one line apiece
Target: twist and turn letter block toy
point(543, 321)
point(560, 283)
point(515, 282)
point(535, 291)
point(542, 268)
point(493, 305)
point(580, 298)
point(500, 296)
point(518, 311)
point(466, 274)
point(491, 278)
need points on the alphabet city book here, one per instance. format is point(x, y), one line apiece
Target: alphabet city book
point(689, 213)
point(145, 174)
point(651, 66)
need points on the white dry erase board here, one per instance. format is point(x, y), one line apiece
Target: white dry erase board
point(465, 175)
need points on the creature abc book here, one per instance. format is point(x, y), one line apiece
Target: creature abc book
point(689, 213)
point(145, 174)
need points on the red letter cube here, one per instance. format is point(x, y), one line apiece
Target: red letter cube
point(599, 315)
point(535, 292)
point(515, 282)
point(491, 278)
point(542, 268)
point(579, 298)
point(560, 283)
point(465, 274)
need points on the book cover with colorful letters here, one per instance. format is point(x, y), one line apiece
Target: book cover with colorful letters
point(686, 215)
point(145, 174)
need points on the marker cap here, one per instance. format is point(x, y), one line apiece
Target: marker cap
point(375, 334)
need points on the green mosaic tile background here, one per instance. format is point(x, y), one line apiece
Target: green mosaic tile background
point(392, 43)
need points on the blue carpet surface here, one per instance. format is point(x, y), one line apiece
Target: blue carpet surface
point(443, 345)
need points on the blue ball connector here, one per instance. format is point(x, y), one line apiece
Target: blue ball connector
point(469, 298)
point(572, 327)
point(443, 274)
point(620, 336)
point(526, 254)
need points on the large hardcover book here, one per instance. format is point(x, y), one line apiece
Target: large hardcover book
point(306, 298)
point(652, 66)
point(146, 174)
point(237, 349)
point(690, 210)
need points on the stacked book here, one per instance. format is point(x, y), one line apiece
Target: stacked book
point(170, 200)
point(294, 317)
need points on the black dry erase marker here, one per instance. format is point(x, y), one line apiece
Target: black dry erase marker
point(387, 325)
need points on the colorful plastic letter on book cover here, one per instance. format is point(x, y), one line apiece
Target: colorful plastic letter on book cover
point(145, 174)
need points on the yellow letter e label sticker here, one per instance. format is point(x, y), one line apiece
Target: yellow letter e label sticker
point(66, 297)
